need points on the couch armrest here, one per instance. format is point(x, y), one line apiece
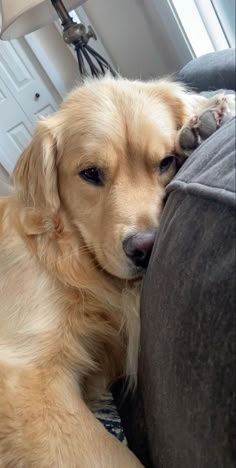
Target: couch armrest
point(187, 361)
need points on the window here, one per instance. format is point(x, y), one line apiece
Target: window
point(225, 11)
point(207, 24)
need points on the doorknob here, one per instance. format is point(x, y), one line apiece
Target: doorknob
point(37, 96)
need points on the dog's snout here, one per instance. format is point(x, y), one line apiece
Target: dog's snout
point(138, 247)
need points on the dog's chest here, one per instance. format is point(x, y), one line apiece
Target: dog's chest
point(29, 304)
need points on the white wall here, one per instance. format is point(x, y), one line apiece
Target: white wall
point(142, 39)
point(141, 36)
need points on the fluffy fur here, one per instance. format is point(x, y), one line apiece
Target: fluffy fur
point(69, 322)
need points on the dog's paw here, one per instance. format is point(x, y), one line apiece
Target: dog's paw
point(218, 110)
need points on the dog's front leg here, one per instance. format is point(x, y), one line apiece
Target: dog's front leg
point(46, 424)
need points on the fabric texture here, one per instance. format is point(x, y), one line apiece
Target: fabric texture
point(188, 359)
point(211, 71)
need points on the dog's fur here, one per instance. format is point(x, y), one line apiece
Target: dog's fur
point(69, 322)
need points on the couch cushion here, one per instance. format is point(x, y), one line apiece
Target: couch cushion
point(187, 364)
point(211, 71)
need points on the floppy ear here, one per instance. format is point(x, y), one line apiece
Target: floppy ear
point(35, 173)
point(180, 100)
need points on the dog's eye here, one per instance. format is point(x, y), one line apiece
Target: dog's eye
point(166, 163)
point(93, 175)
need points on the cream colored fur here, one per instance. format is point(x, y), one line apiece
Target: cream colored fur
point(69, 298)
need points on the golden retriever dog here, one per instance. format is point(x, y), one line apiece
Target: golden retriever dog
point(75, 238)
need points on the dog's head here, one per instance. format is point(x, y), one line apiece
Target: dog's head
point(103, 161)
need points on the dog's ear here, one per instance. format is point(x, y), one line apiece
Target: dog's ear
point(35, 173)
point(179, 99)
point(35, 180)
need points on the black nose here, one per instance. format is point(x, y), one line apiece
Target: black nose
point(139, 247)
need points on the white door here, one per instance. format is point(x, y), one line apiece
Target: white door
point(24, 96)
point(15, 129)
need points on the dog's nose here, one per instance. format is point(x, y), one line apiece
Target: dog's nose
point(139, 247)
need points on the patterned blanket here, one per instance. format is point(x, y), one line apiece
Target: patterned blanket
point(110, 418)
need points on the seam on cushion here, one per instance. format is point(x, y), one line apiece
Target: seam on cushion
point(213, 193)
point(200, 184)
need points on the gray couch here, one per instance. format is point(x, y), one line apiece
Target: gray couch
point(183, 414)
